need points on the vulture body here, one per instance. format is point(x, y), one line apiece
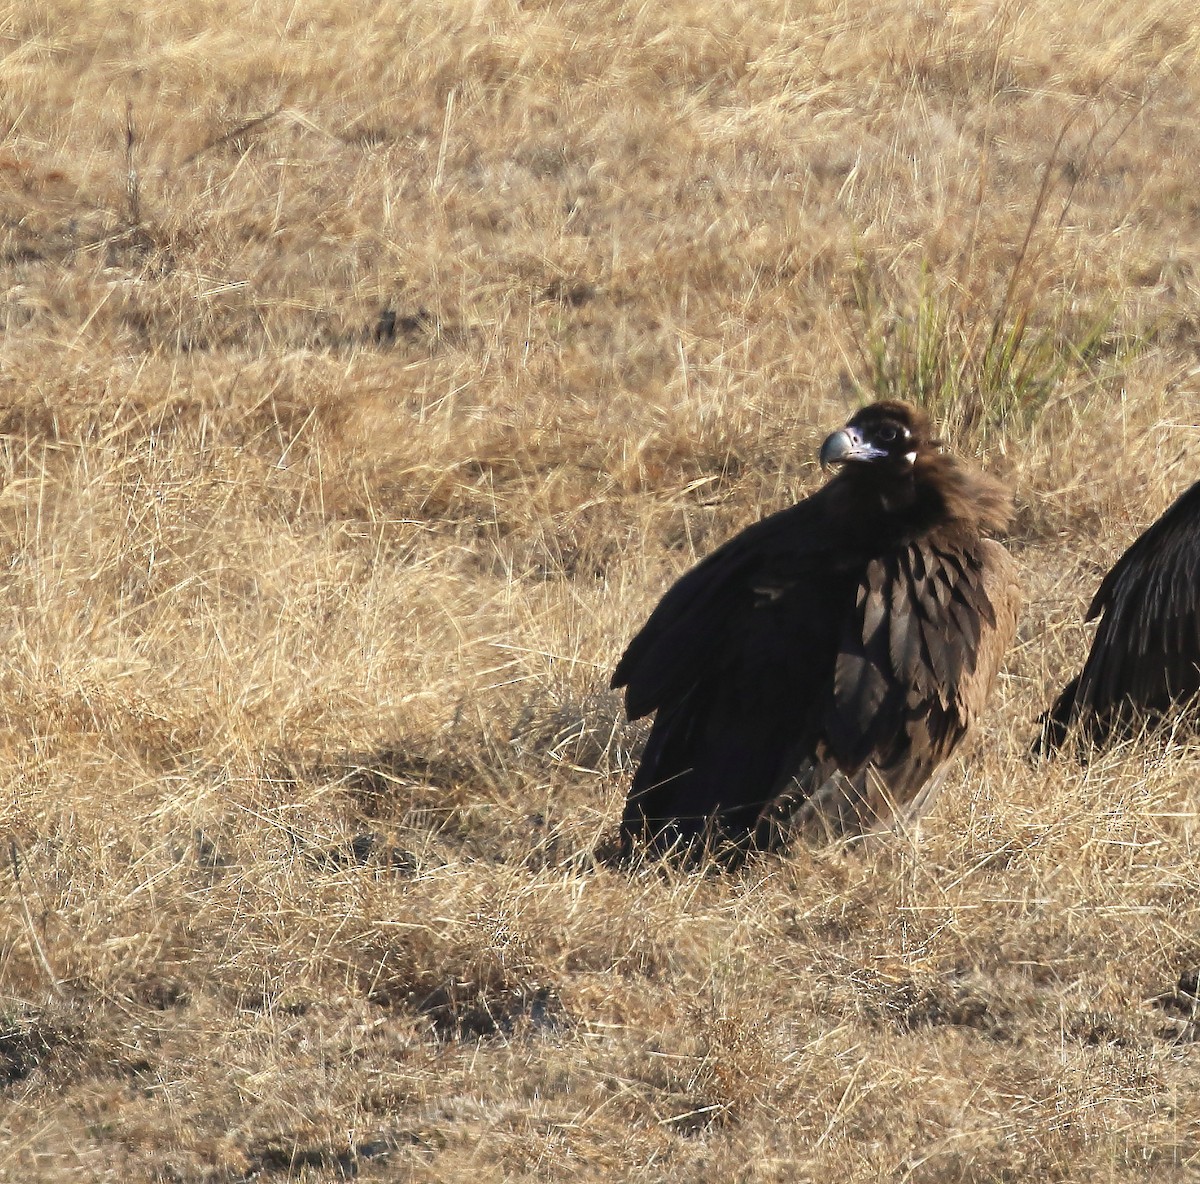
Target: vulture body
point(813, 673)
point(1145, 657)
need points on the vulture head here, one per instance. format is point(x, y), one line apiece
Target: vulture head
point(889, 436)
point(888, 456)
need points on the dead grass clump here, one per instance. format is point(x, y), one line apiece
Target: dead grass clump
point(912, 1006)
point(37, 1040)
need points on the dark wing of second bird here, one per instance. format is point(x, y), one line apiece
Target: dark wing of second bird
point(1146, 652)
point(797, 650)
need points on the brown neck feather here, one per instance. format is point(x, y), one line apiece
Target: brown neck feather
point(976, 499)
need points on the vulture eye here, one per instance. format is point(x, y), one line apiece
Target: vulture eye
point(887, 433)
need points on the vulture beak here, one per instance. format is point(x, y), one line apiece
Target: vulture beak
point(845, 445)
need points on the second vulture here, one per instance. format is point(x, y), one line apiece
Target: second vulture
point(1145, 657)
point(813, 674)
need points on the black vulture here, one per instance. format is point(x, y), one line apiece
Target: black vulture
point(1145, 656)
point(812, 674)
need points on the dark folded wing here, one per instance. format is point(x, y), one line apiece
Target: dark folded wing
point(1146, 652)
point(918, 657)
point(735, 661)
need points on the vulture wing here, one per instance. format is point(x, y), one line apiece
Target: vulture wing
point(1146, 652)
point(734, 660)
point(912, 673)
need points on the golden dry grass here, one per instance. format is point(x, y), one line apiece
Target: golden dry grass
point(309, 613)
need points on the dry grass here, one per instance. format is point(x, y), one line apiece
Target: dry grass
point(309, 610)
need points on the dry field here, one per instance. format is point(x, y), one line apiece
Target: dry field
point(366, 373)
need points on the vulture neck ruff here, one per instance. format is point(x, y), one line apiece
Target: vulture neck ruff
point(935, 490)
